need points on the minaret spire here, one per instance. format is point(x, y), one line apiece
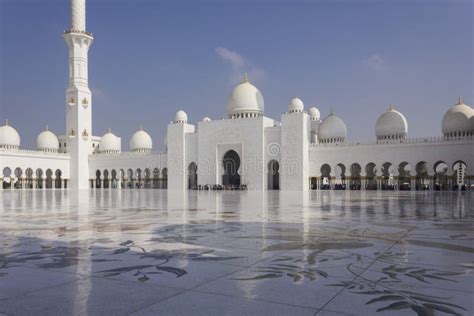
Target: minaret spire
point(78, 15)
point(78, 97)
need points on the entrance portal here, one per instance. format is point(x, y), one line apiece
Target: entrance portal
point(273, 175)
point(231, 163)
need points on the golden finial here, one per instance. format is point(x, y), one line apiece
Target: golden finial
point(391, 107)
point(246, 78)
point(459, 101)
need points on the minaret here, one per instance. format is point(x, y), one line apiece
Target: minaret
point(78, 97)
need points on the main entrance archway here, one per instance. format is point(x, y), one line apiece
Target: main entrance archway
point(231, 164)
point(273, 175)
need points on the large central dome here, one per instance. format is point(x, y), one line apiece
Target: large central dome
point(245, 101)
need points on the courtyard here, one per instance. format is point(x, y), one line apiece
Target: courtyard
point(159, 252)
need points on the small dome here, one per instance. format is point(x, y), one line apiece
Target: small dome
point(457, 120)
point(109, 143)
point(296, 105)
point(314, 113)
point(9, 137)
point(206, 119)
point(332, 129)
point(391, 124)
point(181, 117)
point(47, 141)
point(245, 100)
point(141, 141)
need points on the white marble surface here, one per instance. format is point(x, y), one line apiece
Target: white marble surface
point(150, 252)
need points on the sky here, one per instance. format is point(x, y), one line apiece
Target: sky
point(153, 57)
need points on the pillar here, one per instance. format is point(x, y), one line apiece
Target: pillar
point(1, 183)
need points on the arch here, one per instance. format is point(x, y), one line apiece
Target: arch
point(371, 176)
point(156, 178)
point(113, 179)
point(49, 179)
point(404, 176)
point(121, 179)
point(7, 172)
point(459, 169)
point(387, 181)
point(139, 178)
point(29, 178)
point(441, 178)
point(130, 178)
point(273, 175)
point(192, 176)
point(97, 179)
point(164, 178)
point(57, 182)
point(147, 176)
point(105, 180)
point(422, 178)
point(325, 177)
point(18, 182)
point(231, 162)
point(355, 169)
point(340, 177)
point(39, 178)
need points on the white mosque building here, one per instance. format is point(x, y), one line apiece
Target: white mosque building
point(300, 151)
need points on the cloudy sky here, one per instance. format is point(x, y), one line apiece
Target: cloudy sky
point(152, 57)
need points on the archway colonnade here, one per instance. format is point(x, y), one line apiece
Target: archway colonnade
point(390, 176)
point(146, 178)
point(30, 178)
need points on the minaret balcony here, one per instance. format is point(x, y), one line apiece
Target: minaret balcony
point(78, 32)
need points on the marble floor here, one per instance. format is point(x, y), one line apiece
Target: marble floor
point(157, 252)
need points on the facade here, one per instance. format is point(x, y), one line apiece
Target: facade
point(300, 151)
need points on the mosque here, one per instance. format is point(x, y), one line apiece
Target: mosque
point(247, 150)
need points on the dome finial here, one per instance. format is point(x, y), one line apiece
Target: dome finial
point(6, 122)
point(141, 127)
point(459, 101)
point(332, 111)
point(47, 128)
point(246, 78)
point(391, 107)
point(110, 130)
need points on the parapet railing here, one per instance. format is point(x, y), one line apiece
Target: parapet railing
point(36, 152)
point(417, 140)
point(130, 153)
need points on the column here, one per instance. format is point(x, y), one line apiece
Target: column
point(413, 183)
point(101, 182)
point(12, 183)
point(23, 183)
point(1, 183)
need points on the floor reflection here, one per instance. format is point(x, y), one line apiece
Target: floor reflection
point(317, 252)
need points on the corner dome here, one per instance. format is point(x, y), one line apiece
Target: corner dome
point(141, 141)
point(9, 137)
point(47, 141)
point(109, 143)
point(206, 119)
point(296, 105)
point(457, 121)
point(391, 125)
point(181, 117)
point(314, 113)
point(245, 100)
point(332, 130)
